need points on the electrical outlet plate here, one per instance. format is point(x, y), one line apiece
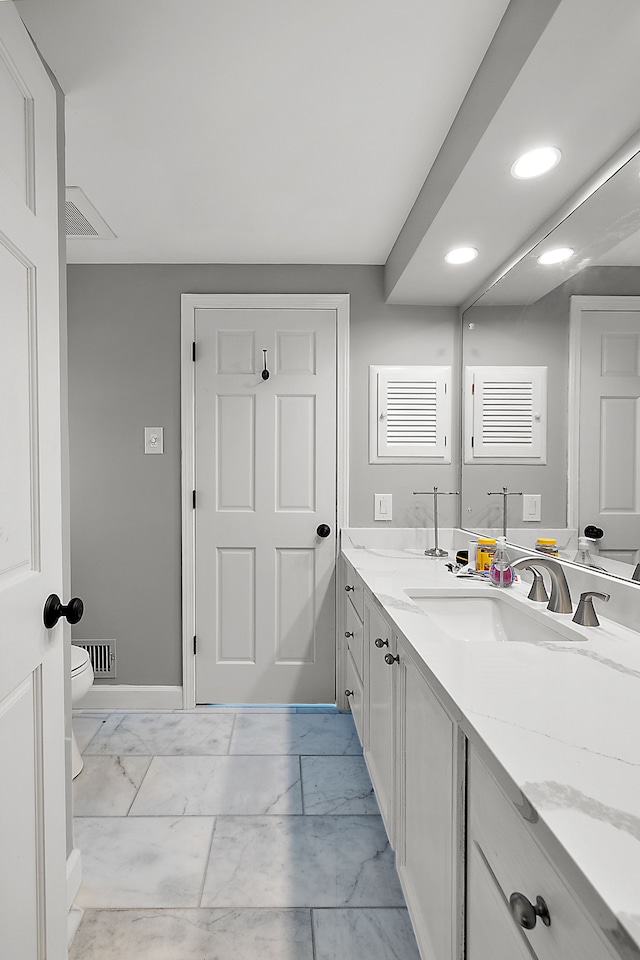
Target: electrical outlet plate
point(154, 439)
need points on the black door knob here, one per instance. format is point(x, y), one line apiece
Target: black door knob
point(379, 642)
point(54, 609)
point(526, 914)
point(390, 659)
point(593, 532)
point(323, 530)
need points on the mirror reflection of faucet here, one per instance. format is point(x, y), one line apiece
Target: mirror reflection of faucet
point(436, 550)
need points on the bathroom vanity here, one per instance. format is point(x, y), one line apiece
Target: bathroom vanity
point(501, 742)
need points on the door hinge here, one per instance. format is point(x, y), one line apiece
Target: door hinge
point(193, 499)
point(193, 351)
point(195, 646)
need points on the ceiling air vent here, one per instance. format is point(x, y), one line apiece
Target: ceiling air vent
point(81, 217)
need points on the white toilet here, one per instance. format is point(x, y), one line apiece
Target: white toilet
point(81, 680)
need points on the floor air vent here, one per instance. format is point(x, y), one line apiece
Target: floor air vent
point(102, 654)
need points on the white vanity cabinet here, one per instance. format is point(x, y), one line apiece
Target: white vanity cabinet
point(351, 644)
point(381, 667)
point(503, 859)
point(430, 810)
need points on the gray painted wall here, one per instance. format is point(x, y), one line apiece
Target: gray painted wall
point(124, 373)
point(537, 334)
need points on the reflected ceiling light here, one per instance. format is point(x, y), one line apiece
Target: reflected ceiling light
point(559, 255)
point(535, 163)
point(461, 255)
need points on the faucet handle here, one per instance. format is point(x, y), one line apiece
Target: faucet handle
point(585, 615)
point(538, 591)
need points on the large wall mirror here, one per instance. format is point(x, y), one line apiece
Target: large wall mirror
point(561, 343)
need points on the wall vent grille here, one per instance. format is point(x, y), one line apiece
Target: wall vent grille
point(76, 223)
point(81, 217)
point(102, 654)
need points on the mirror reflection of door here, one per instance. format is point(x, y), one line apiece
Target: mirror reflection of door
point(607, 419)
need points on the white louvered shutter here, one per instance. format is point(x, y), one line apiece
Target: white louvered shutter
point(506, 414)
point(410, 414)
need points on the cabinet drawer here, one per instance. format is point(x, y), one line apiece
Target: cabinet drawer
point(356, 699)
point(503, 848)
point(354, 634)
point(354, 589)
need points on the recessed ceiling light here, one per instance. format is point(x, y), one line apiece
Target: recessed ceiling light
point(535, 163)
point(461, 255)
point(556, 256)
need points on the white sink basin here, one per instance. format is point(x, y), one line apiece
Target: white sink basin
point(482, 619)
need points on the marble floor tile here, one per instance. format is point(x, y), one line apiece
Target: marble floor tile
point(301, 862)
point(187, 786)
point(307, 734)
point(364, 935)
point(85, 728)
point(107, 785)
point(194, 935)
point(163, 734)
point(337, 785)
point(142, 862)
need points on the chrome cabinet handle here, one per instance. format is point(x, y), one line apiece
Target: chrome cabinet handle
point(390, 659)
point(381, 643)
point(526, 914)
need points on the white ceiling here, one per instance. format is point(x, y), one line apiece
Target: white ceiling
point(283, 131)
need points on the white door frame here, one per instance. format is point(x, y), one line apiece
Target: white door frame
point(579, 306)
point(286, 301)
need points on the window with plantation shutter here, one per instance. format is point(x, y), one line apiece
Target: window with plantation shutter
point(410, 414)
point(506, 414)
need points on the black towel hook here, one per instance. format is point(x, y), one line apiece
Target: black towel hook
point(265, 372)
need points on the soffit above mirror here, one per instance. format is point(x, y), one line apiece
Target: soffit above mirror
point(582, 62)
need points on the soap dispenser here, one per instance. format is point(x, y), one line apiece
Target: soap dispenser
point(584, 555)
point(501, 571)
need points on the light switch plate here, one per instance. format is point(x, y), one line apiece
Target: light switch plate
point(382, 503)
point(154, 439)
point(531, 507)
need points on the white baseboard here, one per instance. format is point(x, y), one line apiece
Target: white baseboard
point(123, 696)
point(74, 875)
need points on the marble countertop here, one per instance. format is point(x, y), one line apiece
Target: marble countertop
point(561, 718)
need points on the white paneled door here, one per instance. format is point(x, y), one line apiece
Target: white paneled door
point(32, 791)
point(265, 514)
point(609, 423)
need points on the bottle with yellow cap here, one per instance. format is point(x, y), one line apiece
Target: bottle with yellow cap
point(547, 545)
point(486, 552)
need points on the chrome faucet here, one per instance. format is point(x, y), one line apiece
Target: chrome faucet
point(560, 601)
